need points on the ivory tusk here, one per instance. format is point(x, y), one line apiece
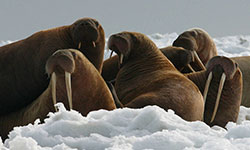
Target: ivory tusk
point(199, 61)
point(222, 81)
point(111, 54)
point(69, 89)
point(79, 45)
point(121, 59)
point(207, 86)
point(93, 44)
point(53, 80)
point(190, 67)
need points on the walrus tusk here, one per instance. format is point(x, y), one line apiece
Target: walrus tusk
point(68, 88)
point(121, 59)
point(199, 61)
point(207, 86)
point(111, 54)
point(79, 45)
point(190, 67)
point(53, 80)
point(222, 81)
point(93, 44)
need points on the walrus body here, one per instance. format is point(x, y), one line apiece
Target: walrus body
point(230, 99)
point(178, 56)
point(147, 77)
point(89, 91)
point(244, 65)
point(22, 63)
point(197, 40)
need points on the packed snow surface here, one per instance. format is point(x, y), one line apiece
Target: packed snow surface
point(149, 128)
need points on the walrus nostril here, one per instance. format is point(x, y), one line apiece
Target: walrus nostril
point(85, 23)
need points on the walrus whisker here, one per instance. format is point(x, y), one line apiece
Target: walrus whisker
point(190, 67)
point(79, 45)
point(222, 81)
point(199, 61)
point(69, 89)
point(207, 86)
point(53, 82)
point(111, 54)
point(93, 44)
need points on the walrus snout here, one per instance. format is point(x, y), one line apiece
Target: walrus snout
point(228, 66)
point(186, 43)
point(190, 44)
point(119, 43)
point(60, 62)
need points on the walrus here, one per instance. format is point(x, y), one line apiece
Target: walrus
point(147, 77)
point(178, 56)
point(244, 65)
point(221, 104)
point(197, 40)
point(22, 63)
point(87, 91)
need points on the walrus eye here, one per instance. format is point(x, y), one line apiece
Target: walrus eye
point(134, 39)
point(73, 54)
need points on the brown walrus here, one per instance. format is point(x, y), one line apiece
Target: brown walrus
point(147, 77)
point(199, 41)
point(244, 65)
point(22, 63)
point(223, 107)
point(180, 57)
point(87, 90)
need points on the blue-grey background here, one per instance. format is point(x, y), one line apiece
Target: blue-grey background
point(21, 18)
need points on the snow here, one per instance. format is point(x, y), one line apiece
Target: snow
point(135, 129)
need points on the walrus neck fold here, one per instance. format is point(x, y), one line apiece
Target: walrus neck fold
point(65, 35)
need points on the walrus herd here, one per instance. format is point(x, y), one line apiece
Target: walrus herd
point(65, 64)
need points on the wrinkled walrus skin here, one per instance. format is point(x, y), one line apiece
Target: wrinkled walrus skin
point(89, 91)
point(178, 56)
point(22, 63)
point(147, 77)
point(244, 65)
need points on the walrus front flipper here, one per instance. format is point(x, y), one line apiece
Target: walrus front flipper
point(222, 102)
point(113, 92)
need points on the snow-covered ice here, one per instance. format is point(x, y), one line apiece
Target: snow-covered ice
point(136, 129)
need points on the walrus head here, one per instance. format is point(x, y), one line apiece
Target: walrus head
point(86, 32)
point(88, 36)
point(180, 57)
point(73, 74)
point(61, 63)
point(127, 45)
point(188, 41)
point(219, 68)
